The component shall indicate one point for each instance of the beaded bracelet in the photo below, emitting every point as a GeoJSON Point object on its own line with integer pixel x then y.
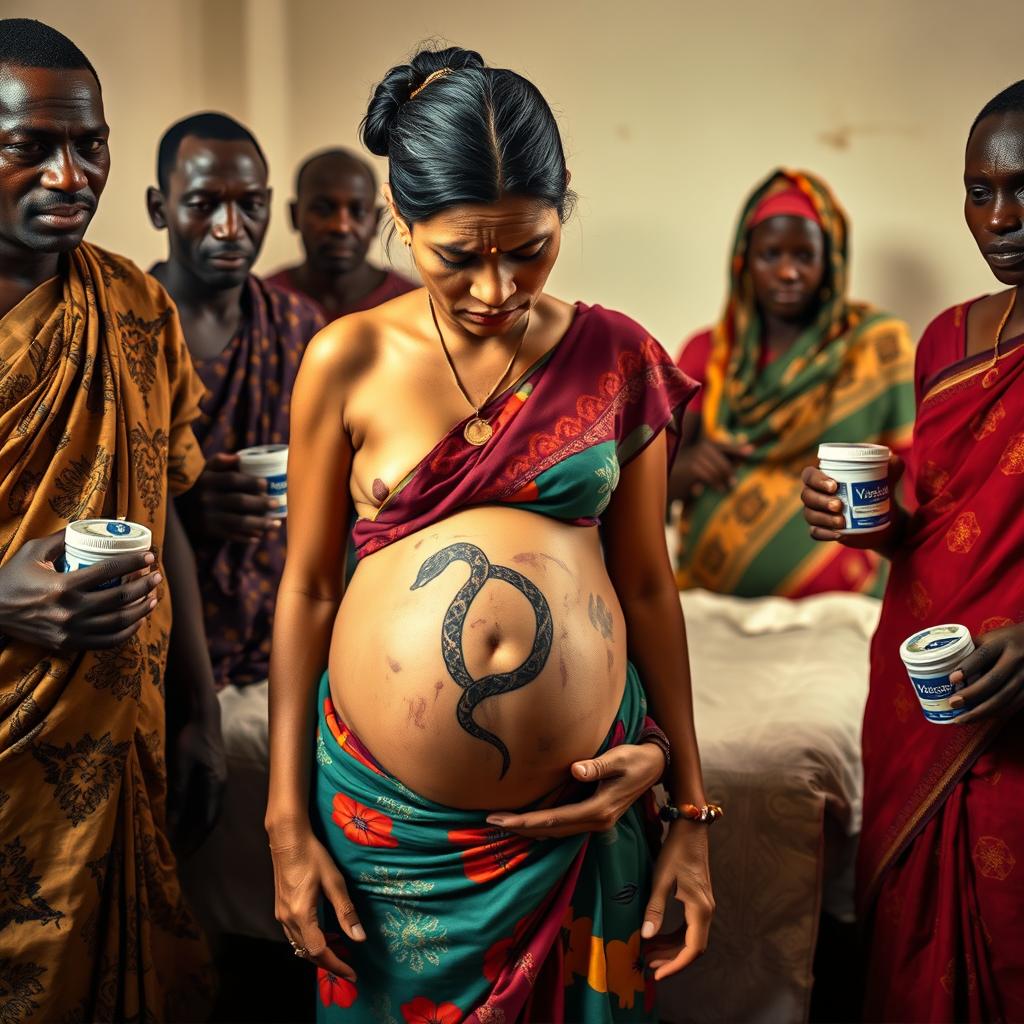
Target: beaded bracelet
{"type": "Point", "coordinates": [706, 814]}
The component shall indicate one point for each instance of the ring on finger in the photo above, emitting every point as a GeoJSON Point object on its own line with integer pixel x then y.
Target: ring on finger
{"type": "Point", "coordinates": [299, 950]}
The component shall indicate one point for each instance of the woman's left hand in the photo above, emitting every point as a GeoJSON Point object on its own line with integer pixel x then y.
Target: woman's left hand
{"type": "Point", "coordinates": [997, 669]}
{"type": "Point", "coordinates": [623, 774]}
{"type": "Point", "coordinates": [682, 871]}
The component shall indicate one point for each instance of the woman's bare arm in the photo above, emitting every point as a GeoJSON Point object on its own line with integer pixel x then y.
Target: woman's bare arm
{"type": "Point", "coordinates": [319, 461]}
{"type": "Point", "coordinates": [638, 564]}
{"type": "Point", "coordinates": [319, 464]}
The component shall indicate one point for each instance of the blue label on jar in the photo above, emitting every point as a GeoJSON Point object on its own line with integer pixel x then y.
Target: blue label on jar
{"type": "Point", "coordinates": [865, 504]}
{"type": "Point", "coordinates": [934, 696]}
{"type": "Point", "coordinates": [67, 566]}
{"type": "Point", "coordinates": [934, 645]}
{"type": "Point", "coordinates": [277, 487]}
{"type": "Point", "coordinates": [119, 529]}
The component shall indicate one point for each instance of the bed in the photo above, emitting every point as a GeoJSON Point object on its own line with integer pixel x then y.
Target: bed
{"type": "Point", "coordinates": [779, 690]}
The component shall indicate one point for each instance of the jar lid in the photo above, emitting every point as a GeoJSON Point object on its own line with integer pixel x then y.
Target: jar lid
{"type": "Point", "coordinates": [108, 535]}
{"type": "Point", "coordinates": [264, 456]}
{"type": "Point", "coordinates": [837, 451]}
{"type": "Point", "coordinates": [936, 644]}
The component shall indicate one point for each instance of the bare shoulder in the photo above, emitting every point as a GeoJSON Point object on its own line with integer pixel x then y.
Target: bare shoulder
{"type": "Point", "coordinates": [343, 352]}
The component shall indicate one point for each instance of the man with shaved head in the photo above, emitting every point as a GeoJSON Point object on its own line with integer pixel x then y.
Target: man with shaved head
{"type": "Point", "coordinates": [97, 399]}
{"type": "Point", "coordinates": [336, 213]}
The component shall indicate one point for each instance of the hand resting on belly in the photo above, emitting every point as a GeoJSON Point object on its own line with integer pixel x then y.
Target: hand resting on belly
{"type": "Point", "coordinates": [479, 661]}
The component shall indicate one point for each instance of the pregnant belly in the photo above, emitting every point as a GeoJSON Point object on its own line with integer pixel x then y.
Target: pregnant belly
{"type": "Point", "coordinates": [478, 659]}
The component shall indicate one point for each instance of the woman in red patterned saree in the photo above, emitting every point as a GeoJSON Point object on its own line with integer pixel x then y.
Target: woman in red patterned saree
{"type": "Point", "coordinates": [940, 886]}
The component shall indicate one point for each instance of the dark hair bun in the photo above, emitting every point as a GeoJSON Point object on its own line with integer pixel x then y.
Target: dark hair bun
{"type": "Point", "coordinates": [468, 137]}
{"type": "Point", "coordinates": [399, 84]}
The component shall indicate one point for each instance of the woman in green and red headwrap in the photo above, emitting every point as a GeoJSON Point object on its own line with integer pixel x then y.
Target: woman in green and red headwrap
{"type": "Point", "coordinates": [792, 363]}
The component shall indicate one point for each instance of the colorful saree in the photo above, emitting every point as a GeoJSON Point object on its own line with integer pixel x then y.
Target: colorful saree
{"type": "Point", "coordinates": [470, 923]}
{"type": "Point", "coordinates": [97, 395]}
{"type": "Point", "coordinates": [848, 377]}
{"type": "Point", "coordinates": [247, 403]}
{"type": "Point", "coordinates": [466, 922]}
{"type": "Point", "coordinates": [939, 883]}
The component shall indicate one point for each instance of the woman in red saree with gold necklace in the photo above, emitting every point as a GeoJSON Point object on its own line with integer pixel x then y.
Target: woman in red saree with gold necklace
{"type": "Point", "coordinates": [939, 884]}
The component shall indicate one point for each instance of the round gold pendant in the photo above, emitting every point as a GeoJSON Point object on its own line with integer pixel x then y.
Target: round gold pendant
{"type": "Point", "coordinates": [478, 431]}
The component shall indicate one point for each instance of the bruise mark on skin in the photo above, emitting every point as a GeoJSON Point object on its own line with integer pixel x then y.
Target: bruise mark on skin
{"type": "Point", "coordinates": [477, 622]}
{"type": "Point", "coordinates": [417, 712]}
{"type": "Point", "coordinates": [600, 616]}
{"type": "Point", "coordinates": [415, 546]}
{"type": "Point", "coordinates": [536, 559]}
{"type": "Point", "coordinates": [611, 658]}
{"type": "Point", "coordinates": [563, 671]}
{"type": "Point", "coordinates": [394, 665]}
{"type": "Point", "coordinates": [438, 687]}
{"type": "Point", "coordinates": [544, 744]}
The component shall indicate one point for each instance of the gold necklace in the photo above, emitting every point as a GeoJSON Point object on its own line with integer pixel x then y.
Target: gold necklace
{"type": "Point", "coordinates": [1002, 324]}
{"type": "Point", "coordinates": [992, 375]}
{"type": "Point", "coordinates": [478, 430]}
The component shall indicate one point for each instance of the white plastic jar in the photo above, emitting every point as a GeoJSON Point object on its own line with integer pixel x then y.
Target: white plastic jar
{"type": "Point", "coordinates": [89, 541]}
{"type": "Point", "coordinates": [930, 656]}
{"type": "Point", "coordinates": [269, 461]}
{"type": "Point", "coordinates": [861, 472]}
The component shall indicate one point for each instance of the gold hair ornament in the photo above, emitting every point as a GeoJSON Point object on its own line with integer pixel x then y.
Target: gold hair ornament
{"type": "Point", "coordinates": [432, 77]}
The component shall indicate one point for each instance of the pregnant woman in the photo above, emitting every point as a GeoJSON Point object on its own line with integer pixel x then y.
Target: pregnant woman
{"type": "Point", "coordinates": [478, 661]}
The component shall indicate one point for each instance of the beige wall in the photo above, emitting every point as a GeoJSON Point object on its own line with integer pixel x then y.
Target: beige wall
{"type": "Point", "coordinates": [670, 111]}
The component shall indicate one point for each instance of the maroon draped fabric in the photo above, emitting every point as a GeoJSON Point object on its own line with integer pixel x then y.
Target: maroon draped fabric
{"type": "Point", "coordinates": [938, 875]}
{"type": "Point", "coordinates": [391, 287]}
{"type": "Point", "coordinates": [247, 403]}
{"type": "Point", "coordinates": [607, 380]}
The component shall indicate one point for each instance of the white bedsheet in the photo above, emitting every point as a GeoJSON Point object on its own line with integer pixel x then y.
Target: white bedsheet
{"type": "Point", "coordinates": [779, 691]}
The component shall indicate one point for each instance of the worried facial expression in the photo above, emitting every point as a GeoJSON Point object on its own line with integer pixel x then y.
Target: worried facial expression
{"type": "Point", "coordinates": [54, 159]}
{"type": "Point", "coordinates": [994, 201]}
{"type": "Point", "coordinates": [336, 215]}
{"type": "Point", "coordinates": [786, 260]}
{"type": "Point", "coordinates": [216, 209]}
{"type": "Point", "coordinates": [485, 265]}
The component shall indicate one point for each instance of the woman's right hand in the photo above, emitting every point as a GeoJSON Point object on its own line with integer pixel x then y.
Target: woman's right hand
{"type": "Point", "coordinates": [824, 511]}
{"type": "Point", "coordinates": [303, 869]}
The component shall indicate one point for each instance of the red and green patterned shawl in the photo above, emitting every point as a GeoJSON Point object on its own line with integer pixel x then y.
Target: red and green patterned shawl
{"type": "Point", "coordinates": [562, 433]}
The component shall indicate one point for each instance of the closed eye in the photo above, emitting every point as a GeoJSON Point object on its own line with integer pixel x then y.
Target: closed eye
{"type": "Point", "coordinates": [454, 264]}
{"type": "Point", "coordinates": [526, 257]}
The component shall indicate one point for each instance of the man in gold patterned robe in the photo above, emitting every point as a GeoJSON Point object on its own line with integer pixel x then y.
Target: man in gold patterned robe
{"type": "Point", "coordinates": [97, 397]}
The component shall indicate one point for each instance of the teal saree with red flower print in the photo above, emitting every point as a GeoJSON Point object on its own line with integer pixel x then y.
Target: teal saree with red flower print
{"type": "Point", "coordinates": [466, 922]}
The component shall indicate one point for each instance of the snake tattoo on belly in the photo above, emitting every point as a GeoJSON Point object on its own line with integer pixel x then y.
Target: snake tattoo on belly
{"type": "Point", "coordinates": [476, 690]}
